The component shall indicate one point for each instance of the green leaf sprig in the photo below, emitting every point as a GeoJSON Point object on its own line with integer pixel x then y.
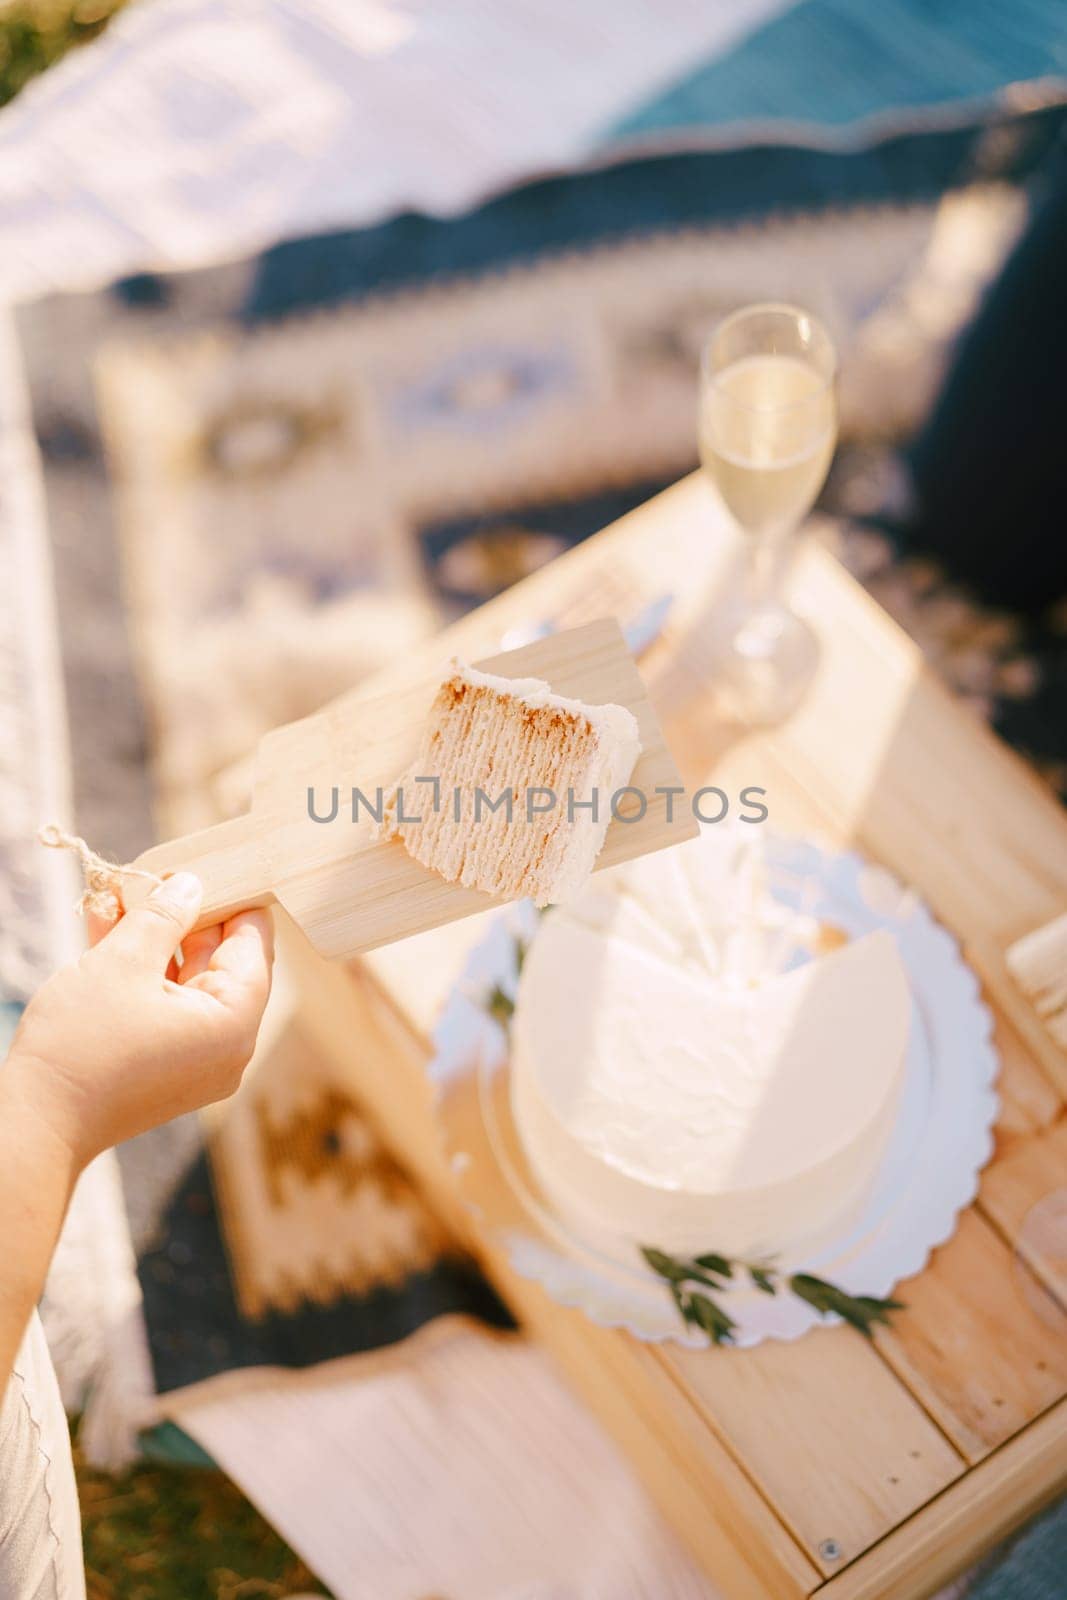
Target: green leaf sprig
{"type": "Point", "coordinates": [498, 1003]}
{"type": "Point", "coordinates": [694, 1282]}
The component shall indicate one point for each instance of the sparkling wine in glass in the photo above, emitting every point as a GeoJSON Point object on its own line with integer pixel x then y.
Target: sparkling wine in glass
{"type": "Point", "coordinates": [768, 425]}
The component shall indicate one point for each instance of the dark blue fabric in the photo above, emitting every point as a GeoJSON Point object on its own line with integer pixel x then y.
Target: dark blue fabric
{"type": "Point", "coordinates": [832, 62]}
{"type": "Point", "coordinates": [645, 196]}
{"type": "Point", "coordinates": [990, 467]}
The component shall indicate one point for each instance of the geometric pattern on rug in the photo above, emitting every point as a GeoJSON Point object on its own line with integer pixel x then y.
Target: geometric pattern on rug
{"type": "Point", "coordinates": [313, 1205]}
{"type": "Point", "coordinates": [196, 1327]}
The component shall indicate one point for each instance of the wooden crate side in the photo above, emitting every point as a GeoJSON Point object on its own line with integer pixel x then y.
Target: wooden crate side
{"type": "Point", "coordinates": [968, 1519]}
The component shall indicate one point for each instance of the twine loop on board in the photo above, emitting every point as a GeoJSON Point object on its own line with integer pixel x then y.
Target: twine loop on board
{"type": "Point", "coordinates": [101, 876]}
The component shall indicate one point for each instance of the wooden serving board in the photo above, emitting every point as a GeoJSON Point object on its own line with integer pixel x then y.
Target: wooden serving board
{"type": "Point", "coordinates": [346, 889]}
{"type": "Point", "coordinates": [828, 1465]}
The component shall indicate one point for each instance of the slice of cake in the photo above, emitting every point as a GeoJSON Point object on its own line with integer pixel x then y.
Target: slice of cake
{"type": "Point", "coordinates": [511, 790]}
{"type": "Point", "coordinates": [658, 1105]}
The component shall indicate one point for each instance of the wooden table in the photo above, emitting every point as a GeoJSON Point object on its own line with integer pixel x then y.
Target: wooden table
{"type": "Point", "coordinates": [827, 1464]}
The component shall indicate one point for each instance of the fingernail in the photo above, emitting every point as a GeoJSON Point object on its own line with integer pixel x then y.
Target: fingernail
{"type": "Point", "coordinates": [183, 889]}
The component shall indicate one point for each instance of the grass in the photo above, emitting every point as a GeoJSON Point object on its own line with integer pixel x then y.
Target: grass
{"type": "Point", "coordinates": [162, 1532]}
{"type": "Point", "coordinates": [36, 33]}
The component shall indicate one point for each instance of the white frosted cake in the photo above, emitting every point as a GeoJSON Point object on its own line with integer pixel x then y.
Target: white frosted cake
{"type": "Point", "coordinates": [666, 1095]}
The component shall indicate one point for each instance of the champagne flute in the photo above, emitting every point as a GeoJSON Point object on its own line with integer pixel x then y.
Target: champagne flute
{"type": "Point", "coordinates": [768, 425]}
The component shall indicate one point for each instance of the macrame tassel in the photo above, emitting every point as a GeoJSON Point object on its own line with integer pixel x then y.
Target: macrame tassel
{"type": "Point", "coordinates": [101, 876]}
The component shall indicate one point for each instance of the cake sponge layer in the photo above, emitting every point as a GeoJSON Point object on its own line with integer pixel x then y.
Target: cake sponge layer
{"type": "Point", "coordinates": [516, 785]}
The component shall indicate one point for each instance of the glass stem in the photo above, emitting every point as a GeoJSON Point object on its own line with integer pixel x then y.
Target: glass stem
{"type": "Point", "coordinates": [764, 571]}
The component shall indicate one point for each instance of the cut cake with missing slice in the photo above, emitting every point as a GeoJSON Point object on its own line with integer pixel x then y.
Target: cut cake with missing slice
{"type": "Point", "coordinates": [492, 752]}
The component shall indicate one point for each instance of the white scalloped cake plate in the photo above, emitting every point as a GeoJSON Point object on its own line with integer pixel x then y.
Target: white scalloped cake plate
{"type": "Point", "coordinates": [929, 1172]}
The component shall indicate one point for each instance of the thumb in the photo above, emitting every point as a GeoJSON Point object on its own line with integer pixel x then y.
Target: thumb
{"type": "Point", "coordinates": [152, 931]}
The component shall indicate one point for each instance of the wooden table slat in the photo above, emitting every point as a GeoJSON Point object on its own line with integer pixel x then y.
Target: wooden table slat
{"type": "Point", "coordinates": [1030, 1101]}
{"type": "Point", "coordinates": [832, 1437]}
{"type": "Point", "coordinates": [962, 1524]}
{"type": "Point", "coordinates": [1031, 1175]}
{"type": "Point", "coordinates": [984, 1351]}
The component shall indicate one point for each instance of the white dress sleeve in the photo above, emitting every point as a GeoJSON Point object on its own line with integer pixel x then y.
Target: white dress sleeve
{"type": "Point", "coordinates": [40, 1527]}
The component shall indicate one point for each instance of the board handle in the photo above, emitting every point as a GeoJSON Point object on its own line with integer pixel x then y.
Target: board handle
{"type": "Point", "coordinates": [228, 858]}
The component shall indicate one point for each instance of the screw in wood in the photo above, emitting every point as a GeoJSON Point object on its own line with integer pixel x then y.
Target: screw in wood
{"type": "Point", "coordinates": [830, 1550]}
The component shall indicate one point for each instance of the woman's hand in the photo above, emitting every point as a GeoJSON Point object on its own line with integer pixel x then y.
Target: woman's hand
{"type": "Point", "coordinates": [115, 1044]}
{"type": "Point", "coordinates": [124, 1040]}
